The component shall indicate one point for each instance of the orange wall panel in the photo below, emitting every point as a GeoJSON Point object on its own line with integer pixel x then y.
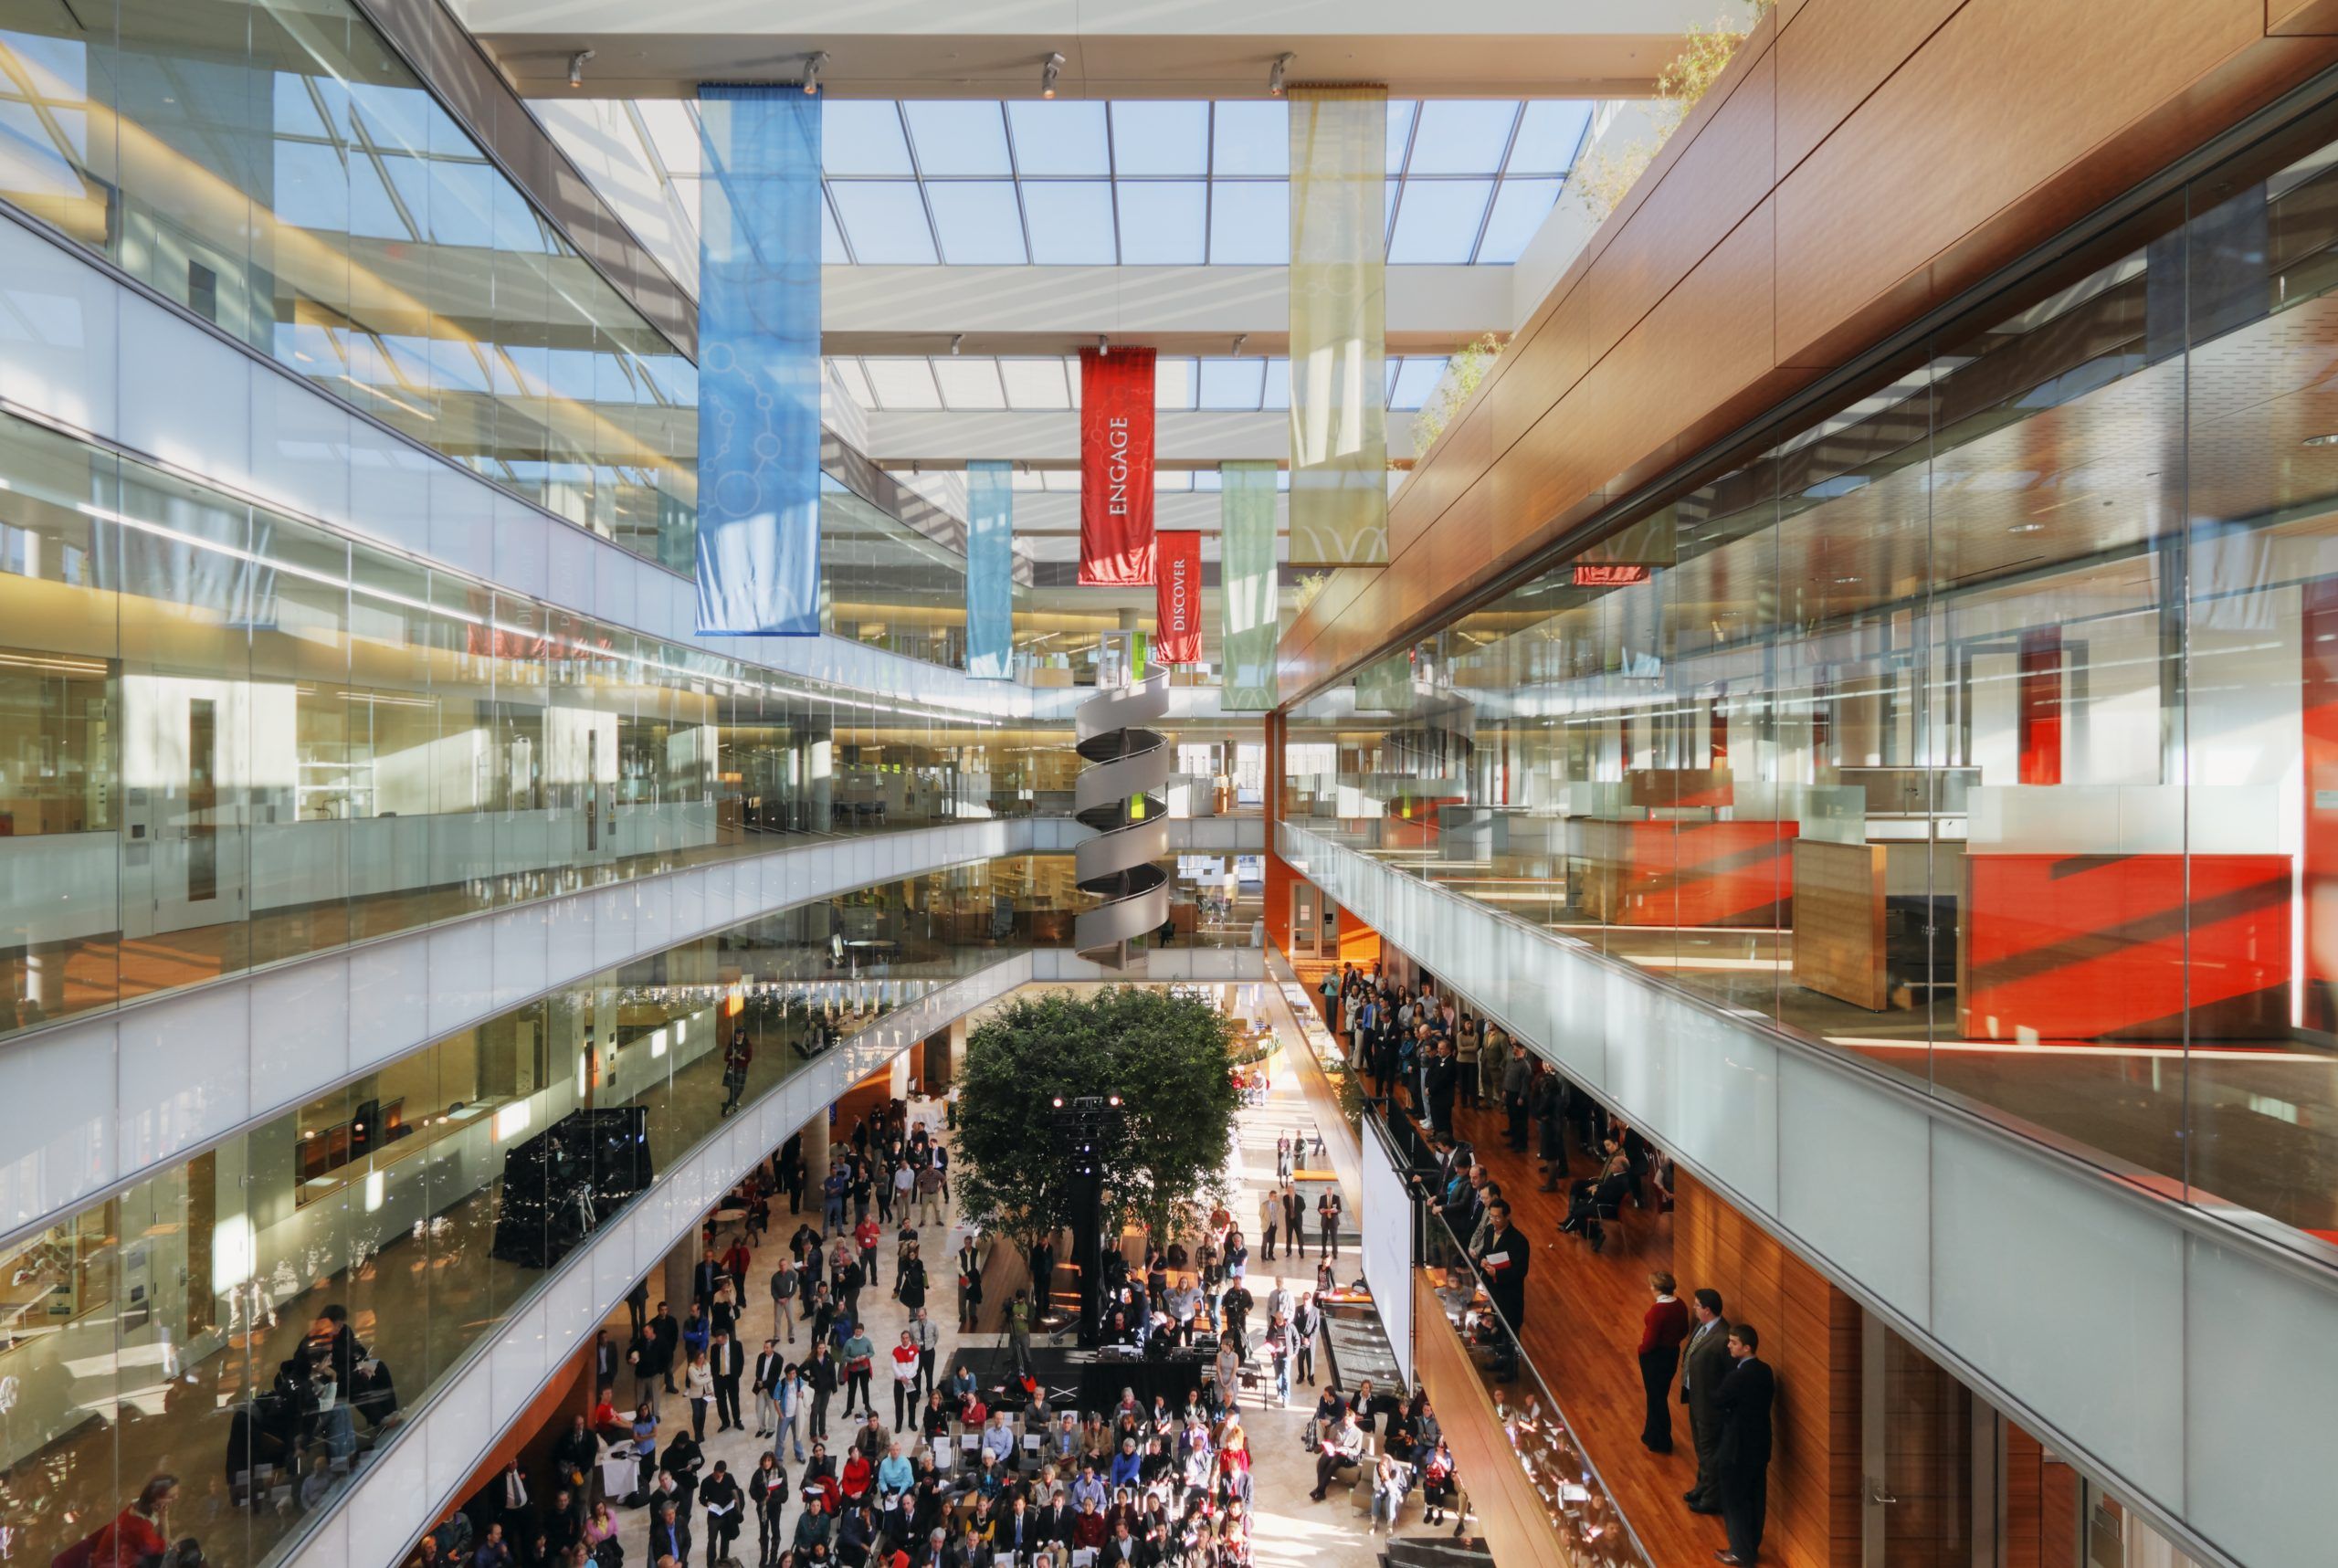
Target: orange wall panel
{"type": "Point", "coordinates": [1835, 54]}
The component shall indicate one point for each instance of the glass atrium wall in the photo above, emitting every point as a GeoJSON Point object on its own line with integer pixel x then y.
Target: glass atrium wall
{"type": "Point", "coordinates": [273, 167]}
{"type": "Point", "coordinates": [1985, 730]}
{"type": "Point", "coordinates": [228, 737]}
{"type": "Point", "coordinates": [150, 1332]}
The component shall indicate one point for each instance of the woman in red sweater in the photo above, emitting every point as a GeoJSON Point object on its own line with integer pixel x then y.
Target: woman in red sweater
{"type": "Point", "coordinates": [1661, 1333]}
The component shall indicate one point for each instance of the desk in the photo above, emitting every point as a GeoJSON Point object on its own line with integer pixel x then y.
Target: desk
{"type": "Point", "coordinates": [1326, 1177]}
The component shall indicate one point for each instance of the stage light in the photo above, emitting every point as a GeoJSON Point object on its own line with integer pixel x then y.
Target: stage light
{"type": "Point", "coordinates": [1047, 75]}
{"type": "Point", "coordinates": [576, 67]}
{"type": "Point", "coordinates": [1274, 76]}
{"type": "Point", "coordinates": [812, 69]}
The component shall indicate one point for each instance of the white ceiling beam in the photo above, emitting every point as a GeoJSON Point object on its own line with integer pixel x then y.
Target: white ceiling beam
{"type": "Point", "coordinates": [1178, 310]}
{"type": "Point", "coordinates": [1202, 49]}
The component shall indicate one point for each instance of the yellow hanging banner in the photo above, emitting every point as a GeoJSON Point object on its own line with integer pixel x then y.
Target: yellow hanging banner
{"type": "Point", "coordinates": [1338, 313]}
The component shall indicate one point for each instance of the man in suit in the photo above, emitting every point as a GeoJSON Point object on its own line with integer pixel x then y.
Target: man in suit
{"type": "Point", "coordinates": [1502, 1263]}
{"type": "Point", "coordinates": [667, 1335]}
{"type": "Point", "coordinates": [705, 1276]}
{"type": "Point", "coordinates": [1743, 1462]}
{"type": "Point", "coordinates": [1704, 1362]}
{"type": "Point", "coordinates": [670, 1537]}
{"type": "Point", "coordinates": [768, 1367]}
{"type": "Point", "coordinates": [729, 1365]}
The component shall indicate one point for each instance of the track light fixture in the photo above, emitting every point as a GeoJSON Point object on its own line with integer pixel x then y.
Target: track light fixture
{"type": "Point", "coordinates": [956, 343]}
{"type": "Point", "coordinates": [1274, 76]}
{"type": "Point", "coordinates": [1239, 339]}
{"type": "Point", "coordinates": [1103, 343]}
{"type": "Point", "coordinates": [813, 67]}
{"type": "Point", "coordinates": [1047, 75]}
{"type": "Point", "coordinates": [576, 67]}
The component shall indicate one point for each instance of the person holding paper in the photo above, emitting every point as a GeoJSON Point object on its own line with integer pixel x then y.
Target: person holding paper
{"type": "Point", "coordinates": [719, 1495]}
{"type": "Point", "coordinates": [1503, 1261]}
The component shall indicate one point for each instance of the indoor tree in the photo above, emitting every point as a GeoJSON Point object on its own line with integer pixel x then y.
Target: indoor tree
{"type": "Point", "coordinates": [1166, 1054]}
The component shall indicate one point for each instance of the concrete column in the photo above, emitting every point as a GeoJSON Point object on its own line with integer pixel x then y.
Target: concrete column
{"type": "Point", "coordinates": [814, 1135]}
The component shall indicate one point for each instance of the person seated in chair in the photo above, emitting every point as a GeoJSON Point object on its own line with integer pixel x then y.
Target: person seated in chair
{"type": "Point", "coordinates": [1589, 1196]}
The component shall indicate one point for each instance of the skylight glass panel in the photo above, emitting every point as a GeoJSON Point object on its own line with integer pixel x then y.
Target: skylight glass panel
{"type": "Point", "coordinates": [1415, 379]}
{"type": "Point", "coordinates": [1388, 369]}
{"type": "Point", "coordinates": [1172, 383]}
{"type": "Point", "coordinates": [1071, 222]}
{"type": "Point", "coordinates": [1438, 222]}
{"type": "Point", "coordinates": [1061, 481]}
{"type": "Point", "coordinates": [969, 382]}
{"type": "Point", "coordinates": [1388, 203]}
{"type": "Point", "coordinates": [862, 136]}
{"type": "Point", "coordinates": [832, 250]}
{"type": "Point", "coordinates": [1251, 136]}
{"type": "Point", "coordinates": [1462, 136]}
{"type": "Point", "coordinates": [1233, 382]}
{"type": "Point", "coordinates": [978, 221]}
{"type": "Point", "coordinates": [1162, 222]}
{"type": "Point", "coordinates": [1173, 479]}
{"type": "Point", "coordinates": [1151, 138]}
{"type": "Point", "coordinates": [1400, 133]}
{"type": "Point", "coordinates": [855, 381]}
{"type": "Point", "coordinates": [1025, 479]}
{"type": "Point", "coordinates": [1249, 223]}
{"type": "Point", "coordinates": [1071, 376]}
{"type": "Point", "coordinates": [903, 383]}
{"type": "Point", "coordinates": [1034, 384]}
{"type": "Point", "coordinates": [1208, 479]}
{"type": "Point", "coordinates": [1519, 207]}
{"type": "Point", "coordinates": [1278, 389]}
{"type": "Point", "coordinates": [884, 220]}
{"type": "Point", "coordinates": [1548, 136]}
{"type": "Point", "coordinates": [1061, 137]}
{"type": "Point", "coordinates": [957, 138]}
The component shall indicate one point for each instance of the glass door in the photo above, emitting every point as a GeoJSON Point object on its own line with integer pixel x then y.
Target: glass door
{"type": "Point", "coordinates": [1928, 1447]}
{"type": "Point", "coordinates": [1306, 926]}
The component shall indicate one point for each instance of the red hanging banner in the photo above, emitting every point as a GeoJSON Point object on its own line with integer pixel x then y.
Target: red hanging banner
{"type": "Point", "coordinates": [1115, 469]}
{"type": "Point", "coordinates": [1177, 612]}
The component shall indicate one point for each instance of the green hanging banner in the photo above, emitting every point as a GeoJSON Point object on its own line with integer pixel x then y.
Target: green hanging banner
{"type": "Point", "coordinates": [1247, 595]}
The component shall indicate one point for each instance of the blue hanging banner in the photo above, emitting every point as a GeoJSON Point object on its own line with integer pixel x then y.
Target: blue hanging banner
{"type": "Point", "coordinates": [759, 363]}
{"type": "Point", "coordinates": [990, 570]}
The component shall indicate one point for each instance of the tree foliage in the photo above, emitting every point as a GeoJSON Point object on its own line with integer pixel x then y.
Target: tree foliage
{"type": "Point", "coordinates": [1166, 1055]}
{"type": "Point", "coordinates": [1603, 174]}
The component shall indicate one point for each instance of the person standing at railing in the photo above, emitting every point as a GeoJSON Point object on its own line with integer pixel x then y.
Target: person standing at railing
{"type": "Point", "coordinates": [1502, 1263]}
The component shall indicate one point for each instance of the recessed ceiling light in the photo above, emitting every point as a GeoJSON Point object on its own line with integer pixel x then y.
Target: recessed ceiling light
{"type": "Point", "coordinates": [2330, 440]}
{"type": "Point", "coordinates": [1845, 582]}
{"type": "Point", "coordinates": [2027, 528]}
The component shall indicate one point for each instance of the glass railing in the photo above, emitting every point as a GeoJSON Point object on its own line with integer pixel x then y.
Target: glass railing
{"type": "Point", "coordinates": [167, 1329]}
{"type": "Point", "coordinates": [279, 170]}
{"type": "Point", "coordinates": [1587, 1524]}
{"type": "Point", "coordinates": [229, 737]}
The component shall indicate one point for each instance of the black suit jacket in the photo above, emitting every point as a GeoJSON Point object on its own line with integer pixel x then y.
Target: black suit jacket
{"type": "Point", "coordinates": [1746, 1397]}
{"type": "Point", "coordinates": [1704, 1367]}
{"type": "Point", "coordinates": [768, 1366]}
{"type": "Point", "coordinates": [729, 1361]}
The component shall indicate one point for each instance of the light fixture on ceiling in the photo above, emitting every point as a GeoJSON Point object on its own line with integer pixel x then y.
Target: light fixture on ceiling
{"type": "Point", "coordinates": [813, 67]}
{"type": "Point", "coordinates": [2027, 528]}
{"type": "Point", "coordinates": [1274, 76]}
{"type": "Point", "coordinates": [1047, 75]}
{"type": "Point", "coordinates": [576, 67]}
{"type": "Point", "coordinates": [1103, 343]}
{"type": "Point", "coordinates": [1239, 339]}
{"type": "Point", "coordinates": [2331, 440]}
{"type": "Point", "coordinates": [956, 343]}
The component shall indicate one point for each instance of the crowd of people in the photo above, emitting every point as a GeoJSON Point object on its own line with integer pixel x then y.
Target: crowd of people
{"type": "Point", "coordinates": [1424, 1052]}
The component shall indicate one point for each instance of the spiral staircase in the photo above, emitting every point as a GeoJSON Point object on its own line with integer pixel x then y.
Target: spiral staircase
{"type": "Point", "coordinates": [1121, 794]}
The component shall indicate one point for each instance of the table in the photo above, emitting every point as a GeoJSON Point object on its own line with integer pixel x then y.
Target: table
{"type": "Point", "coordinates": [1176, 1379]}
{"type": "Point", "coordinates": [620, 1473]}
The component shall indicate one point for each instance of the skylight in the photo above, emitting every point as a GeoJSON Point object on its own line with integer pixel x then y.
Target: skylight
{"type": "Point", "coordinates": [1144, 182]}
{"type": "Point", "coordinates": [976, 382]}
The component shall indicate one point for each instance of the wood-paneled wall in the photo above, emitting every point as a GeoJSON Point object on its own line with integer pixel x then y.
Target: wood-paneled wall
{"type": "Point", "coordinates": [1810, 1335]}
{"type": "Point", "coordinates": [1859, 164]}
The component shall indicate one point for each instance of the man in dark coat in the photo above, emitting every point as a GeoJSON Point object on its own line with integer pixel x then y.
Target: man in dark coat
{"type": "Point", "coordinates": [1743, 1461]}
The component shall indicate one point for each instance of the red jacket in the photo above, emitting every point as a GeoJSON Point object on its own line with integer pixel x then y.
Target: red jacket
{"type": "Point", "coordinates": [1665, 1327]}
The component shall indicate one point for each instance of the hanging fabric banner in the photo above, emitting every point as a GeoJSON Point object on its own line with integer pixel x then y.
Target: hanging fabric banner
{"type": "Point", "coordinates": [759, 363]}
{"type": "Point", "coordinates": [1338, 306]}
{"type": "Point", "coordinates": [1177, 606]}
{"type": "Point", "coordinates": [990, 570]}
{"type": "Point", "coordinates": [1247, 587]}
{"type": "Point", "coordinates": [1116, 468]}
